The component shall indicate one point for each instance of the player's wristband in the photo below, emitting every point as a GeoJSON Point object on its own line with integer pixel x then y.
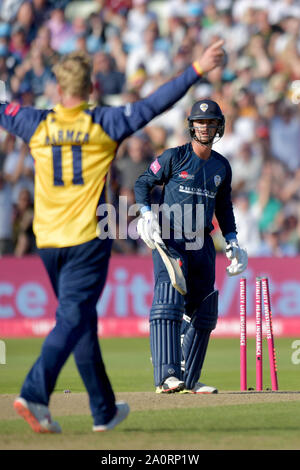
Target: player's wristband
{"type": "Point", "coordinates": [197, 68]}
{"type": "Point", "coordinates": [145, 209]}
{"type": "Point", "coordinates": [230, 237]}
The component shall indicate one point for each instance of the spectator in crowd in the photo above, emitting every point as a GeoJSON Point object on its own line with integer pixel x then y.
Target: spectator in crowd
{"type": "Point", "coordinates": [23, 237]}
{"type": "Point", "coordinates": [247, 223]}
{"type": "Point", "coordinates": [18, 167]}
{"type": "Point", "coordinates": [290, 190]}
{"type": "Point", "coordinates": [18, 47]}
{"type": "Point", "coordinates": [6, 245]}
{"type": "Point", "coordinates": [9, 9]}
{"type": "Point", "coordinates": [265, 201]}
{"type": "Point", "coordinates": [109, 79]}
{"type": "Point", "coordinates": [5, 32]}
{"type": "Point", "coordinates": [39, 74]}
{"type": "Point", "coordinates": [246, 167]}
{"type": "Point", "coordinates": [235, 34]}
{"type": "Point", "coordinates": [158, 136]}
{"type": "Point", "coordinates": [285, 136]}
{"type": "Point", "coordinates": [95, 38]}
{"type": "Point", "coordinates": [117, 52]}
{"type": "Point", "coordinates": [139, 17]}
{"type": "Point", "coordinates": [133, 163]}
{"type": "Point", "coordinates": [246, 118]}
{"type": "Point", "coordinates": [26, 19]}
{"type": "Point", "coordinates": [61, 30]}
{"type": "Point", "coordinates": [119, 6]}
{"type": "Point", "coordinates": [231, 142]}
{"type": "Point", "coordinates": [41, 11]}
{"type": "Point", "coordinates": [4, 71]}
{"type": "Point", "coordinates": [154, 61]}
{"type": "Point", "coordinates": [176, 30]}
{"type": "Point", "coordinates": [43, 44]}
{"type": "Point", "coordinates": [275, 244]}
{"type": "Point", "coordinates": [283, 8]}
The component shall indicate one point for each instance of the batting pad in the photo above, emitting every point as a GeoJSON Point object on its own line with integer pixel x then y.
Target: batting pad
{"type": "Point", "coordinates": [194, 349]}
{"type": "Point", "coordinates": [165, 323]}
{"type": "Point", "coordinates": [196, 337]}
{"type": "Point", "coordinates": [165, 349]}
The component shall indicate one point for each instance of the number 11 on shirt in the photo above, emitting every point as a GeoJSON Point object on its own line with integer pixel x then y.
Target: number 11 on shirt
{"type": "Point", "coordinates": [57, 165]}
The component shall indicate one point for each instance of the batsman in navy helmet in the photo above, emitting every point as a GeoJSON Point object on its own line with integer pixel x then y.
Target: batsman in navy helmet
{"type": "Point", "coordinates": [203, 110]}
{"type": "Point", "coordinates": [196, 184]}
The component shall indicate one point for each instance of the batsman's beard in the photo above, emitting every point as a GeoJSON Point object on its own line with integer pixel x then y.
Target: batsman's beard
{"type": "Point", "coordinates": [210, 141]}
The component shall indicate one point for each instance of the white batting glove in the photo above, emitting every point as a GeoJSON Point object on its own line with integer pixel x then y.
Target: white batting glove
{"type": "Point", "coordinates": [149, 230]}
{"type": "Point", "coordinates": [238, 257]}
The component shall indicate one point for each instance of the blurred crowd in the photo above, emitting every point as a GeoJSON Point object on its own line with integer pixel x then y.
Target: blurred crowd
{"type": "Point", "coordinates": [135, 46]}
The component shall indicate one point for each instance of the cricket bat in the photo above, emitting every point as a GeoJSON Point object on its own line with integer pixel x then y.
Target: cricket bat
{"type": "Point", "coordinates": [172, 265]}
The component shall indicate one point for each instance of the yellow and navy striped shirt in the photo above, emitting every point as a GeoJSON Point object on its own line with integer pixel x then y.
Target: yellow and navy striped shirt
{"type": "Point", "coordinates": [73, 149]}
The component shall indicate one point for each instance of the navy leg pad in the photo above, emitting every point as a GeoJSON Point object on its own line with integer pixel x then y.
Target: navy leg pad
{"type": "Point", "coordinates": [194, 350]}
{"type": "Point", "coordinates": [196, 338]}
{"type": "Point", "coordinates": [206, 316]}
{"type": "Point", "coordinates": [165, 322]}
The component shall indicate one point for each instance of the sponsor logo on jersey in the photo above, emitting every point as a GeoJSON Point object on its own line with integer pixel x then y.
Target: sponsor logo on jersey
{"type": "Point", "coordinates": [204, 107]}
{"type": "Point", "coordinates": [155, 166]}
{"type": "Point", "coordinates": [197, 191]}
{"type": "Point", "coordinates": [186, 176]}
{"type": "Point", "coordinates": [217, 180]}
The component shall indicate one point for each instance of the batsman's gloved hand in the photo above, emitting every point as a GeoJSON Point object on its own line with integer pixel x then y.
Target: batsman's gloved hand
{"type": "Point", "coordinates": [238, 257]}
{"type": "Point", "coordinates": [149, 230]}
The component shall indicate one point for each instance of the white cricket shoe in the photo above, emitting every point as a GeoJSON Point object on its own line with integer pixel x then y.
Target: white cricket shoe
{"type": "Point", "coordinates": [122, 413]}
{"type": "Point", "coordinates": [37, 416]}
{"type": "Point", "coordinates": [200, 388]}
{"type": "Point", "coordinates": [170, 385]}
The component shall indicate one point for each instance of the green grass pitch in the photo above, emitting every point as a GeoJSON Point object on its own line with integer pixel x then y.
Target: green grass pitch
{"type": "Point", "coordinates": [259, 421]}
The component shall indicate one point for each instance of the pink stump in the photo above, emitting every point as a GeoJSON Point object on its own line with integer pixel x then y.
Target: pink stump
{"type": "Point", "coordinates": [270, 337]}
{"type": "Point", "coordinates": [258, 335]}
{"type": "Point", "coordinates": [243, 336]}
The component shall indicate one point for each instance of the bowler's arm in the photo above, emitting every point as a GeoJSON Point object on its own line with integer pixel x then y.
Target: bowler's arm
{"type": "Point", "coordinates": [20, 121]}
{"type": "Point", "coordinates": [123, 121]}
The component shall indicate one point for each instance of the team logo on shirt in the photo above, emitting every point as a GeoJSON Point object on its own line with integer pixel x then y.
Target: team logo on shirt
{"type": "Point", "coordinates": [203, 107]}
{"type": "Point", "coordinates": [186, 176]}
{"type": "Point", "coordinates": [217, 180]}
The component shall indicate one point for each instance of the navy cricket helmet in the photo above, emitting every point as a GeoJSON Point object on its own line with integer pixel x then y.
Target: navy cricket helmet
{"type": "Point", "coordinates": [206, 109]}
